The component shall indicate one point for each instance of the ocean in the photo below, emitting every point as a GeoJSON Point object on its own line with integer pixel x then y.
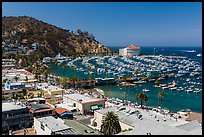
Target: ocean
{"type": "Point", "coordinates": [173, 100]}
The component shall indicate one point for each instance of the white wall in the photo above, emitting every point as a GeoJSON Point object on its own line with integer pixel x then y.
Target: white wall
{"type": "Point", "coordinates": [82, 107]}
{"type": "Point", "coordinates": [98, 119]}
{"type": "Point", "coordinates": [39, 130]}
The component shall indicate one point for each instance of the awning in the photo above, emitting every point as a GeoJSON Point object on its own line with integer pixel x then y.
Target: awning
{"type": "Point", "coordinates": [94, 107]}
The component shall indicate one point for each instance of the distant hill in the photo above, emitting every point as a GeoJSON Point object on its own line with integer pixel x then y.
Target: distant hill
{"type": "Point", "coordinates": [52, 39]}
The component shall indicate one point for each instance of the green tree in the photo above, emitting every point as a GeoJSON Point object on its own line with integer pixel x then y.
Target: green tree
{"type": "Point", "coordinates": [110, 124]}
{"type": "Point", "coordinates": [45, 73]}
{"type": "Point", "coordinates": [141, 96]}
{"type": "Point", "coordinates": [73, 79]}
{"type": "Point", "coordinates": [4, 80]}
{"type": "Point", "coordinates": [156, 81]}
{"type": "Point", "coordinates": [16, 78]}
{"type": "Point", "coordinates": [26, 79]}
{"type": "Point", "coordinates": [39, 95]}
{"type": "Point", "coordinates": [63, 81]}
{"type": "Point", "coordinates": [24, 91]}
{"type": "Point", "coordinates": [160, 97]}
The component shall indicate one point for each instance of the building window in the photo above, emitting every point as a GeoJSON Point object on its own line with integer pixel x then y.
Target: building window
{"type": "Point", "coordinates": [42, 126]}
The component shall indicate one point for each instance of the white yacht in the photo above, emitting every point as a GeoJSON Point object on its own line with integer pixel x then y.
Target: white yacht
{"type": "Point", "coordinates": [199, 55]}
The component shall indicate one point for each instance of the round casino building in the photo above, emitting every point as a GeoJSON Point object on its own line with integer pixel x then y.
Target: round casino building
{"type": "Point", "coordinates": [130, 51]}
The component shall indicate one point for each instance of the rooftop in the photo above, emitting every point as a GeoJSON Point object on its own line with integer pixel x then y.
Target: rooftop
{"type": "Point", "coordinates": [36, 107]}
{"type": "Point", "coordinates": [28, 131]}
{"type": "Point", "coordinates": [81, 128]}
{"type": "Point", "coordinates": [85, 99]}
{"type": "Point", "coordinates": [67, 106]}
{"type": "Point", "coordinates": [149, 124]}
{"type": "Point", "coordinates": [7, 106]}
{"type": "Point", "coordinates": [195, 116]}
{"type": "Point", "coordinates": [121, 115]}
{"type": "Point", "coordinates": [60, 110]}
{"type": "Point", "coordinates": [133, 47]}
{"type": "Point", "coordinates": [144, 126]}
{"type": "Point", "coordinates": [47, 87]}
{"type": "Point", "coordinates": [194, 127]}
{"type": "Point", "coordinates": [55, 125]}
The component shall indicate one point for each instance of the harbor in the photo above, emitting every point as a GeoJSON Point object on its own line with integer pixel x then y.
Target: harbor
{"type": "Point", "coordinates": [180, 77]}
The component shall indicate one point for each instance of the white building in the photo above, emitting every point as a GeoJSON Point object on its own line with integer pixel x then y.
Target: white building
{"type": "Point", "coordinates": [85, 104]}
{"type": "Point", "coordinates": [50, 89]}
{"type": "Point", "coordinates": [142, 122]}
{"type": "Point", "coordinates": [130, 51]}
{"type": "Point", "coordinates": [52, 126]}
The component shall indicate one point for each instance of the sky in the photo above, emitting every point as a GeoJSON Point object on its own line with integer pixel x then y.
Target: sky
{"type": "Point", "coordinates": [121, 23]}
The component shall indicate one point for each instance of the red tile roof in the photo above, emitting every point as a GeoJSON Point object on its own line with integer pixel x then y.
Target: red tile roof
{"type": "Point", "coordinates": [94, 101]}
{"type": "Point", "coordinates": [133, 47]}
{"type": "Point", "coordinates": [26, 73]}
{"type": "Point", "coordinates": [60, 110]}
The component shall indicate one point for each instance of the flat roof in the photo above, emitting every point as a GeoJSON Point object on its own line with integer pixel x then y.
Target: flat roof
{"type": "Point", "coordinates": [28, 131]}
{"type": "Point", "coordinates": [85, 99]}
{"type": "Point", "coordinates": [15, 83]}
{"type": "Point", "coordinates": [81, 127]}
{"type": "Point", "coordinates": [149, 124]}
{"type": "Point", "coordinates": [48, 87]}
{"type": "Point", "coordinates": [193, 125]}
{"type": "Point", "coordinates": [194, 116]}
{"type": "Point", "coordinates": [121, 115]}
{"type": "Point", "coordinates": [53, 123]}
{"type": "Point", "coordinates": [67, 106]}
{"type": "Point", "coordinates": [7, 106]}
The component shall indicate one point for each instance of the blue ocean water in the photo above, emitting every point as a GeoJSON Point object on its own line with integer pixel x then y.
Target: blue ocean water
{"type": "Point", "coordinates": [173, 100]}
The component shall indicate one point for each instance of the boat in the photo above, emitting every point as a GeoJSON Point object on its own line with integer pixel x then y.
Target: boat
{"type": "Point", "coordinates": [139, 82]}
{"type": "Point", "coordinates": [174, 88]}
{"type": "Point", "coordinates": [183, 72]}
{"type": "Point", "coordinates": [189, 90]}
{"type": "Point", "coordinates": [196, 91]}
{"type": "Point", "coordinates": [199, 55]}
{"type": "Point", "coordinates": [165, 87]}
{"type": "Point", "coordinates": [145, 90]}
{"type": "Point", "coordinates": [59, 58]}
{"type": "Point", "coordinates": [189, 51]}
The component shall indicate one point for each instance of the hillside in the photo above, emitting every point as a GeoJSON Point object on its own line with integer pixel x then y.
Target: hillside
{"type": "Point", "coordinates": [52, 39]}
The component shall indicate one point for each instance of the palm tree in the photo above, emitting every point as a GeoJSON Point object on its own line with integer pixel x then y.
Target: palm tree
{"type": "Point", "coordinates": [73, 80]}
{"type": "Point", "coordinates": [63, 81]}
{"type": "Point", "coordinates": [156, 81]}
{"type": "Point", "coordinates": [26, 79]}
{"type": "Point", "coordinates": [141, 96]}
{"type": "Point", "coordinates": [16, 78]}
{"type": "Point", "coordinates": [160, 96]}
{"type": "Point", "coordinates": [45, 73]}
{"type": "Point", "coordinates": [57, 79]}
{"type": "Point", "coordinates": [110, 124]}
